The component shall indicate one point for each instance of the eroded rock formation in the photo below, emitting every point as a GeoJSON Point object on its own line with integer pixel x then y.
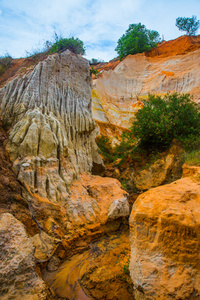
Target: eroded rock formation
{"type": "Point", "coordinates": [52, 136]}
{"type": "Point", "coordinates": [52, 146]}
{"type": "Point", "coordinates": [173, 66]}
{"type": "Point", "coordinates": [164, 233]}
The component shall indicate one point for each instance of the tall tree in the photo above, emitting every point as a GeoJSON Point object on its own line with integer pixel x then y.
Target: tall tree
{"type": "Point", "coordinates": [137, 39]}
{"type": "Point", "coordinates": [190, 25]}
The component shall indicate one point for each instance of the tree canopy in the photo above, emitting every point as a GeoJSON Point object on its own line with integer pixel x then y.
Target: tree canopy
{"type": "Point", "coordinates": [190, 25]}
{"type": "Point", "coordinates": [137, 39]}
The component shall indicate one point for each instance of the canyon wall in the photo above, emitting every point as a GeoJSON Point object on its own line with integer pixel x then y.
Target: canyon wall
{"type": "Point", "coordinates": [172, 67]}
{"type": "Point", "coordinates": [60, 199]}
{"type": "Point", "coordinates": [51, 145]}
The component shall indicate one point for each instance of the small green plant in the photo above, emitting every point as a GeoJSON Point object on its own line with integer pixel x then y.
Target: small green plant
{"type": "Point", "coordinates": [5, 63]}
{"type": "Point", "coordinates": [105, 148]}
{"type": "Point", "coordinates": [124, 184]}
{"type": "Point", "coordinates": [93, 71]}
{"type": "Point", "coordinates": [190, 25]}
{"type": "Point", "coordinates": [192, 158]}
{"type": "Point", "coordinates": [23, 69]}
{"type": "Point", "coordinates": [126, 267]}
{"type": "Point", "coordinates": [153, 157]}
{"type": "Point", "coordinates": [127, 147]}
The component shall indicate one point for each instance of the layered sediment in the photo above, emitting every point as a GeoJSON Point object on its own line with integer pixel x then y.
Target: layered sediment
{"type": "Point", "coordinates": [172, 67]}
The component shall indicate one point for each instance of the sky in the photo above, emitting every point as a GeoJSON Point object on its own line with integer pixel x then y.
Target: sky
{"type": "Point", "coordinates": [25, 25]}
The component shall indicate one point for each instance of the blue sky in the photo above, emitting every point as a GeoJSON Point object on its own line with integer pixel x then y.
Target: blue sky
{"type": "Point", "coordinates": [26, 25]}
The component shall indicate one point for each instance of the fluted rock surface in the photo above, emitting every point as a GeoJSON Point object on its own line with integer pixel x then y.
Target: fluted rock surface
{"type": "Point", "coordinates": [52, 146]}
{"type": "Point", "coordinates": [52, 138]}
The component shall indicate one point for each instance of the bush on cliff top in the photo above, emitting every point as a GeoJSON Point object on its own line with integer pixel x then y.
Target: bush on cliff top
{"type": "Point", "coordinates": [59, 44]}
{"type": "Point", "coordinates": [73, 44]}
{"type": "Point", "coordinates": [137, 39]}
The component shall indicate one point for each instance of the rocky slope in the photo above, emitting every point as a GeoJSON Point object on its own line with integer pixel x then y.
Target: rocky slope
{"type": "Point", "coordinates": [174, 66]}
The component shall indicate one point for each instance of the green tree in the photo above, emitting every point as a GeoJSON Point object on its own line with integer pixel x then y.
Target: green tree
{"type": "Point", "coordinates": [73, 44]}
{"type": "Point", "coordinates": [163, 119]}
{"type": "Point", "coordinates": [137, 39]}
{"type": "Point", "coordinates": [190, 25]}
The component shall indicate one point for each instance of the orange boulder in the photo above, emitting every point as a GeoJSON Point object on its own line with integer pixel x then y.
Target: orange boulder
{"type": "Point", "coordinates": [165, 239]}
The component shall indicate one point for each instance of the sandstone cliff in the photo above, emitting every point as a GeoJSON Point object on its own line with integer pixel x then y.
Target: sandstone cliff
{"type": "Point", "coordinates": [174, 66]}
{"type": "Point", "coordinates": [64, 208]}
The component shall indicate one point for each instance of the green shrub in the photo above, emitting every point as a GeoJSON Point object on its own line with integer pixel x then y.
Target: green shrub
{"type": "Point", "coordinates": [73, 44]}
{"type": "Point", "coordinates": [93, 71]}
{"type": "Point", "coordinates": [5, 63]}
{"type": "Point", "coordinates": [192, 158]}
{"type": "Point", "coordinates": [127, 147]}
{"type": "Point", "coordinates": [157, 124]}
{"type": "Point", "coordinates": [105, 148]}
{"type": "Point", "coordinates": [163, 119]}
{"type": "Point", "coordinates": [125, 267]}
{"type": "Point", "coordinates": [57, 44]}
{"type": "Point", "coordinates": [137, 39]}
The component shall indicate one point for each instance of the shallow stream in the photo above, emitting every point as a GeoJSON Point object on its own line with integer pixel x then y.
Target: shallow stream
{"type": "Point", "coordinates": [99, 273]}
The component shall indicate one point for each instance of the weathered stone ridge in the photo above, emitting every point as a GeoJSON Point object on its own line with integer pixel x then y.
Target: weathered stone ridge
{"type": "Point", "coordinates": [52, 138]}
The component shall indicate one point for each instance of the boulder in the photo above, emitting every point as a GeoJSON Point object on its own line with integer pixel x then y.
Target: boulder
{"type": "Point", "coordinates": [96, 200]}
{"type": "Point", "coordinates": [18, 278]}
{"type": "Point", "coordinates": [164, 234]}
{"type": "Point", "coordinates": [164, 170]}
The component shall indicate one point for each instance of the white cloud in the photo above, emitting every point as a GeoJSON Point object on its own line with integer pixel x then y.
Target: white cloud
{"type": "Point", "coordinates": [100, 23]}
